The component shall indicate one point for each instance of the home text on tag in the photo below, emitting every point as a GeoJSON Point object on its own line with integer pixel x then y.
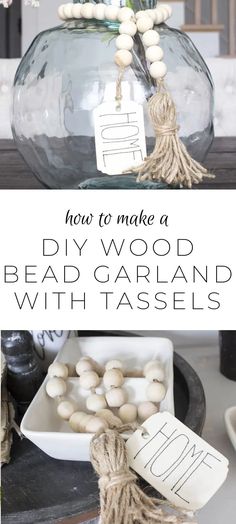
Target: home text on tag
{"type": "Point", "coordinates": [119, 137]}
{"type": "Point", "coordinates": [176, 462]}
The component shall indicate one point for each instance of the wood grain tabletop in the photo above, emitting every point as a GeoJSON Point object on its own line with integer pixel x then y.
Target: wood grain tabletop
{"type": "Point", "coordinates": [221, 160]}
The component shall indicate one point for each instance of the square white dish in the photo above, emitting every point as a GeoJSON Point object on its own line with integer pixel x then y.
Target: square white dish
{"type": "Point", "coordinates": [41, 423]}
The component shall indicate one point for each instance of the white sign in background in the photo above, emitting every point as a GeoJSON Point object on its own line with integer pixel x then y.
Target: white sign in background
{"type": "Point", "coordinates": [152, 284]}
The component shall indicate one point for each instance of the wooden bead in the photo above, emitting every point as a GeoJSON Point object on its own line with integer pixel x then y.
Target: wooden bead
{"type": "Point", "coordinates": [65, 409]}
{"type": "Point", "coordinates": [154, 53]}
{"type": "Point", "coordinates": [116, 397]}
{"type": "Point", "coordinates": [155, 373]}
{"type": "Point", "coordinates": [55, 387]}
{"type": "Point", "coordinates": [150, 37]}
{"type": "Point", "coordinates": [95, 424]}
{"type": "Point", "coordinates": [87, 10]}
{"type": "Point", "coordinates": [146, 409]}
{"type": "Point", "coordinates": [58, 369]}
{"type": "Point", "coordinates": [144, 23]}
{"type": "Point", "coordinates": [111, 12]}
{"type": "Point", "coordinates": [61, 12]}
{"type": "Point", "coordinates": [124, 42]}
{"type": "Point", "coordinates": [160, 16]}
{"type": "Point", "coordinates": [89, 380]}
{"type": "Point", "coordinates": [109, 417]}
{"type": "Point", "coordinates": [139, 14]}
{"type": "Point", "coordinates": [151, 13]}
{"type": "Point", "coordinates": [128, 413]}
{"type": "Point", "coordinates": [113, 378]}
{"type": "Point", "coordinates": [156, 392]}
{"type": "Point", "coordinates": [114, 364]}
{"type": "Point", "coordinates": [76, 10]}
{"type": "Point", "coordinates": [151, 364]}
{"type": "Point", "coordinates": [99, 11]}
{"type": "Point", "coordinates": [84, 364]}
{"type": "Point", "coordinates": [67, 9]}
{"type": "Point", "coordinates": [96, 402]}
{"type": "Point", "coordinates": [125, 13]}
{"type": "Point", "coordinates": [128, 28]}
{"type": "Point", "coordinates": [123, 58]}
{"type": "Point", "coordinates": [71, 370]}
{"type": "Point", "coordinates": [167, 8]}
{"type": "Point", "coordinates": [78, 421]}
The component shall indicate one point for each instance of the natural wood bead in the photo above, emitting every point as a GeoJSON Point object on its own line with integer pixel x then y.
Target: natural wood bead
{"type": "Point", "coordinates": [67, 9]}
{"type": "Point", "coordinates": [78, 421]}
{"type": "Point", "coordinates": [123, 58]}
{"type": "Point", "coordinates": [84, 364]}
{"type": "Point", "coordinates": [71, 370]}
{"type": "Point", "coordinates": [65, 409]}
{"type": "Point", "coordinates": [154, 363]}
{"type": "Point", "coordinates": [125, 13]}
{"type": "Point", "coordinates": [128, 413]}
{"type": "Point", "coordinates": [87, 10]}
{"type": "Point", "coordinates": [55, 387]}
{"type": "Point", "coordinates": [146, 409]}
{"type": "Point", "coordinates": [111, 12]}
{"type": "Point", "coordinates": [154, 53]}
{"type": "Point", "coordinates": [76, 10]}
{"type": "Point", "coordinates": [89, 380]}
{"type": "Point", "coordinates": [58, 369]}
{"type": "Point", "coordinates": [151, 37]}
{"type": "Point", "coordinates": [109, 417]}
{"type": "Point", "coordinates": [114, 364]}
{"type": "Point", "coordinates": [113, 378]}
{"type": "Point", "coordinates": [96, 402]}
{"type": "Point", "coordinates": [99, 11]}
{"type": "Point", "coordinates": [156, 392]}
{"type": "Point", "coordinates": [155, 373]}
{"type": "Point", "coordinates": [116, 397]}
{"type": "Point", "coordinates": [95, 424]}
{"type": "Point", "coordinates": [124, 42]}
{"type": "Point", "coordinates": [128, 28]}
{"type": "Point", "coordinates": [144, 23]}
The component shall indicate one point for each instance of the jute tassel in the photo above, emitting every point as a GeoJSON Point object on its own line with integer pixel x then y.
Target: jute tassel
{"type": "Point", "coordinates": [121, 499]}
{"type": "Point", "coordinates": [170, 161]}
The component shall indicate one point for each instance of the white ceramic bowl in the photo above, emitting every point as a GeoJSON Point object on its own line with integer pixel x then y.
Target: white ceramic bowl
{"type": "Point", "coordinates": [41, 423]}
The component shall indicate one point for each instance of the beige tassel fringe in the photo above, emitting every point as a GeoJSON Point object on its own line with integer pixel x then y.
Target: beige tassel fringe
{"type": "Point", "coordinates": [170, 161]}
{"type": "Point", "coordinates": [121, 499]}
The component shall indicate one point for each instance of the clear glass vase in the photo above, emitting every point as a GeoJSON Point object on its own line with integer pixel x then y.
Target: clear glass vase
{"type": "Point", "coordinates": [68, 71]}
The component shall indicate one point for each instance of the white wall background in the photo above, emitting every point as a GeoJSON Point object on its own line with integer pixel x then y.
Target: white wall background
{"type": "Point", "coordinates": [35, 20]}
{"type": "Point", "coordinates": [187, 339]}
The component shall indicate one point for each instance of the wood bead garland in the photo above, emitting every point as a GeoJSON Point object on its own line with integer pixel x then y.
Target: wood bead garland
{"type": "Point", "coordinates": [56, 387]}
{"type": "Point", "coordinates": [116, 397]}
{"type": "Point", "coordinates": [146, 409]}
{"type": "Point", "coordinates": [65, 409]}
{"type": "Point", "coordinates": [128, 413]}
{"type": "Point", "coordinates": [58, 369]}
{"type": "Point", "coordinates": [89, 380]}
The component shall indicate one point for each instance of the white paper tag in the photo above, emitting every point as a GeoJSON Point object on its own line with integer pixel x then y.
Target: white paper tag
{"type": "Point", "coordinates": [179, 464]}
{"type": "Point", "coordinates": [119, 136]}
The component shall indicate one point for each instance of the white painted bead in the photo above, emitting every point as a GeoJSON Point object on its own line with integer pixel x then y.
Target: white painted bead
{"type": "Point", "coordinates": [146, 409]}
{"type": "Point", "coordinates": [116, 397]}
{"type": "Point", "coordinates": [114, 364]}
{"type": "Point", "coordinates": [151, 13]}
{"type": "Point", "coordinates": [150, 37]}
{"type": "Point", "coordinates": [154, 53]}
{"type": "Point", "coordinates": [128, 413]}
{"type": "Point", "coordinates": [84, 364]}
{"type": "Point", "coordinates": [96, 424]}
{"type": "Point", "coordinates": [65, 409]}
{"type": "Point", "coordinates": [67, 9]}
{"type": "Point", "coordinates": [113, 378]}
{"type": "Point", "coordinates": [167, 7]}
{"type": "Point", "coordinates": [99, 11]}
{"type": "Point", "coordinates": [109, 417]}
{"type": "Point", "coordinates": [155, 373]}
{"type": "Point", "coordinates": [128, 28]}
{"type": "Point", "coordinates": [58, 369]}
{"type": "Point", "coordinates": [144, 23]}
{"type": "Point", "coordinates": [78, 421]}
{"type": "Point", "coordinates": [61, 12]}
{"type": "Point", "coordinates": [156, 392]}
{"type": "Point", "coordinates": [76, 10]}
{"type": "Point", "coordinates": [160, 16]}
{"type": "Point", "coordinates": [87, 10]}
{"type": "Point", "coordinates": [55, 387]}
{"type": "Point", "coordinates": [124, 42]}
{"type": "Point", "coordinates": [111, 12]}
{"type": "Point", "coordinates": [123, 58]}
{"type": "Point", "coordinates": [158, 70]}
{"type": "Point", "coordinates": [96, 402]}
{"type": "Point", "coordinates": [125, 13]}
{"type": "Point", "coordinates": [89, 380]}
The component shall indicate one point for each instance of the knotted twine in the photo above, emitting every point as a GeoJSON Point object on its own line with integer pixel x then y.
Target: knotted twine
{"type": "Point", "coordinates": [121, 500]}
{"type": "Point", "coordinates": [170, 161]}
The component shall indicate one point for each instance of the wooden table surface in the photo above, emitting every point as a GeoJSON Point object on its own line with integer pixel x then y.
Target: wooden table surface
{"type": "Point", "coordinates": [221, 160]}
